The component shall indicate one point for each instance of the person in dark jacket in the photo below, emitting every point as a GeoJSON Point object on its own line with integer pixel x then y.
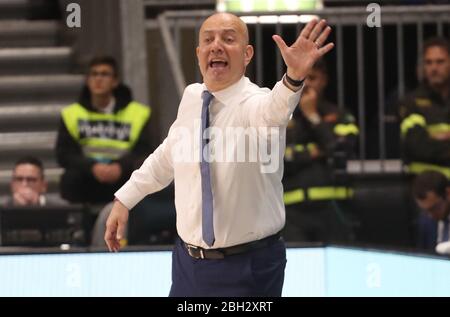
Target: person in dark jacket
{"type": "Point", "coordinates": [431, 191]}
{"type": "Point", "coordinates": [103, 137]}
{"type": "Point", "coordinates": [319, 139]}
{"type": "Point", "coordinates": [425, 114]}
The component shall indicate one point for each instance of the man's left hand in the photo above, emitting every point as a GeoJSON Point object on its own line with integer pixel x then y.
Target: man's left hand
{"type": "Point", "coordinates": [306, 50]}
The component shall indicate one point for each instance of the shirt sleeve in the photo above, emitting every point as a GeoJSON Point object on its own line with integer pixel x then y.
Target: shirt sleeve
{"type": "Point", "coordinates": [271, 108]}
{"type": "Point", "coordinates": [155, 173]}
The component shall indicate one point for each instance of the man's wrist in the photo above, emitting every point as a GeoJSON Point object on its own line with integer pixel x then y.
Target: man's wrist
{"type": "Point", "coordinates": [294, 82]}
{"type": "Point", "coordinates": [290, 86]}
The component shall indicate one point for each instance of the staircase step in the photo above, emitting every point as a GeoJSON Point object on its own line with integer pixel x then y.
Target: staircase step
{"type": "Point", "coordinates": [35, 60]}
{"type": "Point", "coordinates": [18, 144]}
{"type": "Point", "coordinates": [39, 88]}
{"type": "Point", "coordinates": [35, 117]}
{"type": "Point", "coordinates": [23, 33]}
{"type": "Point", "coordinates": [13, 9]}
{"type": "Point", "coordinates": [27, 140]}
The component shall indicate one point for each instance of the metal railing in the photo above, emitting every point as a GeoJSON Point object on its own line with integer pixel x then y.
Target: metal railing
{"type": "Point", "coordinates": [174, 25]}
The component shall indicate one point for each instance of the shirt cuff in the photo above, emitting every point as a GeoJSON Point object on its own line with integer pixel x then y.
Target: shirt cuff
{"type": "Point", "coordinates": [290, 97]}
{"type": "Point", "coordinates": [129, 195]}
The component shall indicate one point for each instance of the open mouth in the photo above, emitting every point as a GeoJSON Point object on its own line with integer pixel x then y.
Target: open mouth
{"type": "Point", "coordinates": [218, 63]}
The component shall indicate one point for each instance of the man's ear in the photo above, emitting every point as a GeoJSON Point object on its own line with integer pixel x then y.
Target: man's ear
{"type": "Point", "coordinates": [248, 54]}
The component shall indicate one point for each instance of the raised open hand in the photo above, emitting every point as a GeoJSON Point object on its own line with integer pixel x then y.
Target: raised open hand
{"type": "Point", "coordinates": [306, 50]}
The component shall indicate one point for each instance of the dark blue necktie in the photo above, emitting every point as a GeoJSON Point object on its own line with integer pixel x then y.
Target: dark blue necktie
{"type": "Point", "coordinates": [207, 198]}
{"type": "Point", "coordinates": [445, 233]}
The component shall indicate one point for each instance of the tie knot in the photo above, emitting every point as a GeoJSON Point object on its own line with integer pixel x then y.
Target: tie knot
{"type": "Point", "coordinates": [207, 97]}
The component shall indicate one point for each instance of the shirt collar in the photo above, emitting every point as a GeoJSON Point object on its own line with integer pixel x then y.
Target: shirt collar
{"type": "Point", "coordinates": [224, 96]}
{"type": "Point", "coordinates": [109, 108]}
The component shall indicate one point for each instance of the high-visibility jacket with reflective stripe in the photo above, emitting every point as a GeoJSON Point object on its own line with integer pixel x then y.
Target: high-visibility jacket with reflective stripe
{"type": "Point", "coordinates": [312, 178]}
{"type": "Point", "coordinates": [425, 131]}
{"type": "Point", "coordinates": [317, 193]}
{"type": "Point", "coordinates": [106, 137]}
{"type": "Point", "coordinates": [340, 133]}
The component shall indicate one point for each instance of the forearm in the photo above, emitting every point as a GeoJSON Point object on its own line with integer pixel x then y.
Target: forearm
{"type": "Point", "coordinates": [274, 108]}
{"type": "Point", "coordinates": [155, 173]}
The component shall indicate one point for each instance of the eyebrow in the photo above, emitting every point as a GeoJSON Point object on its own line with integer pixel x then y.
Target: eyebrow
{"type": "Point", "coordinates": [223, 31]}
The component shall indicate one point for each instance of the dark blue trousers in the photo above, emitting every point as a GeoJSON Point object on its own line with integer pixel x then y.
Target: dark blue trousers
{"type": "Point", "coordinates": [258, 272]}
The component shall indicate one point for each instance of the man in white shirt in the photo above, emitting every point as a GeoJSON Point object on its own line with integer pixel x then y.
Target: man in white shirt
{"type": "Point", "coordinates": [229, 211]}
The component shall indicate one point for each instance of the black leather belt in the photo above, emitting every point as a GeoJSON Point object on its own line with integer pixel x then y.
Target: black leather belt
{"type": "Point", "coordinates": [214, 254]}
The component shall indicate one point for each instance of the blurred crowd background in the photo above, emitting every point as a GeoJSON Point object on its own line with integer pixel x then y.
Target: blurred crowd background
{"type": "Point", "coordinates": [367, 160]}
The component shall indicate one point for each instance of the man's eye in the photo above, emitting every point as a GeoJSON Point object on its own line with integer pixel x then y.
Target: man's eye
{"type": "Point", "coordinates": [230, 39]}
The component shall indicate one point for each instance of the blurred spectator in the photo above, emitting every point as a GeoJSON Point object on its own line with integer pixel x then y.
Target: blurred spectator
{"type": "Point", "coordinates": [28, 184]}
{"type": "Point", "coordinates": [151, 221]}
{"type": "Point", "coordinates": [431, 190]}
{"type": "Point", "coordinates": [425, 113]}
{"type": "Point", "coordinates": [320, 138]}
{"type": "Point", "coordinates": [103, 137]}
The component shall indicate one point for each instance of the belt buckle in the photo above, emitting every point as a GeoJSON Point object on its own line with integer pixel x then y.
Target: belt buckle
{"type": "Point", "coordinates": [193, 247]}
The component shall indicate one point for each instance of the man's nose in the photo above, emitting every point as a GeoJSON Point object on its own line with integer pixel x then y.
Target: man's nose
{"type": "Point", "coordinates": [216, 46]}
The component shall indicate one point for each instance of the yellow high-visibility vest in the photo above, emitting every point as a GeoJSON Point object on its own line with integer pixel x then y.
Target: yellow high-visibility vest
{"type": "Point", "coordinates": [104, 136]}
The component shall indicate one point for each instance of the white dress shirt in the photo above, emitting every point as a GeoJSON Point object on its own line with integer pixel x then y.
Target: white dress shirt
{"type": "Point", "coordinates": [248, 204]}
{"type": "Point", "coordinates": [440, 230]}
{"type": "Point", "coordinates": [442, 246]}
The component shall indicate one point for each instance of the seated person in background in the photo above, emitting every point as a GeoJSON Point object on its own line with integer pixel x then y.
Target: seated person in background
{"type": "Point", "coordinates": [22, 225]}
{"type": "Point", "coordinates": [102, 138]}
{"type": "Point", "coordinates": [431, 191]}
{"type": "Point", "coordinates": [319, 140]}
{"type": "Point", "coordinates": [151, 221]}
{"type": "Point", "coordinates": [425, 113]}
{"type": "Point", "coordinates": [28, 184]}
